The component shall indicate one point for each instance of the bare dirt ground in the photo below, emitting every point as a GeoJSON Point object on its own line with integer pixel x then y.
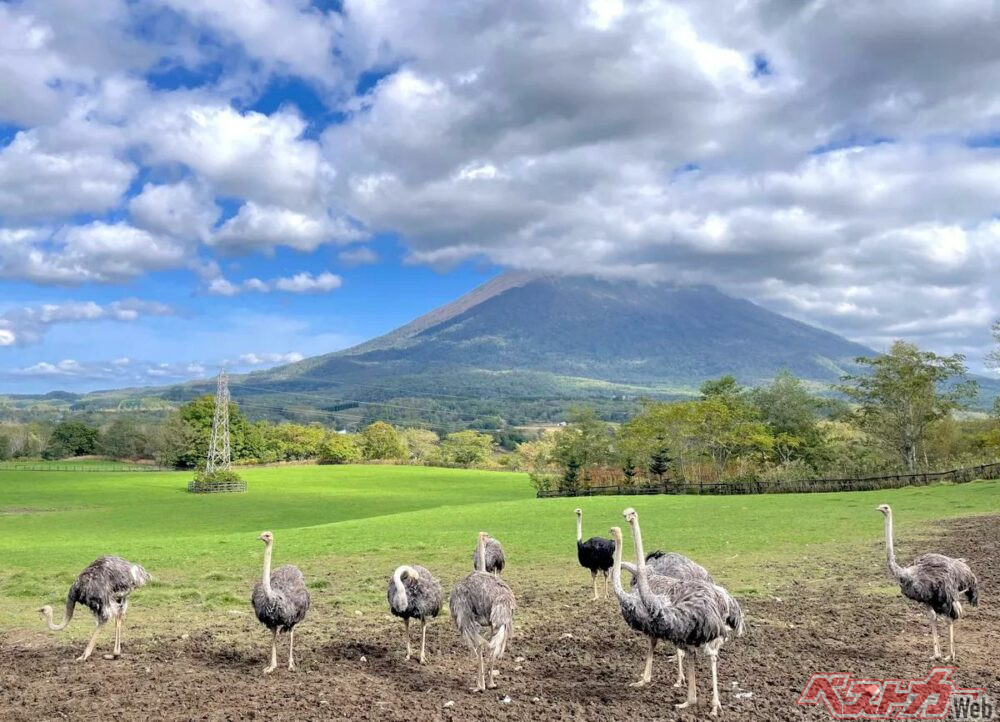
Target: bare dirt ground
{"type": "Point", "coordinates": [807, 627]}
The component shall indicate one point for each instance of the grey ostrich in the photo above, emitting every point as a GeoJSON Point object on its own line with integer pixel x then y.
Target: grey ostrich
{"type": "Point", "coordinates": [595, 554]}
{"type": "Point", "coordinates": [280, 600]}
{"type": "Point", "coordinates": [483, 600]}
{"type": "Point", "coordinates": [104, 588]}
{"type": "Point", "coordinates": [414, 593]}
{"type": "Point", "coordinates": [632, 609]}
{"type": "Point", "coordinates": [936, 581]}
{"type": "Point", "coordinates": [495, 560]}
{"type": "Point", "coordinates": [693, 614]}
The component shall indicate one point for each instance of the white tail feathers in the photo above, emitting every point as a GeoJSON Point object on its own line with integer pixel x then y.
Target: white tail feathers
{"type": "Point", "coordinates": [498, 643]}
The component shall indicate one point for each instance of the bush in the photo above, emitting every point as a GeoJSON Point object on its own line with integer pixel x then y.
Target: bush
{"type": "Point", "coordinates": [339, 449]}
{"type": "Point", "coordinates": [221, 480]}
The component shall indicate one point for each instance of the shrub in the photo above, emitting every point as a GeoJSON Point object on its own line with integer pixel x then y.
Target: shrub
{"type": "Point", "coordinates": [339, 449]}
{"type": "Point", "coordinates": [221, 480]}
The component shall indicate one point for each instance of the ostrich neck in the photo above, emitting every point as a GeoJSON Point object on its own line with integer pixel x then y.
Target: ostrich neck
{"type": "Point", "coordinates": [579, 528]}
{"type": "Point", "coordinates": [67, 615]}
{"type": "Point", "coordinates": [481, 554]}
{"type": "Point", "coordinates": [402, 602]}
{"type": "Point", "coordinates": [890, 553]}
{"type": "Point", "coordinates": [616, 571]}
{"type": "Point", "coordinates": [266, 580]}
{"type": "Point", "coordinates": [645, 593]}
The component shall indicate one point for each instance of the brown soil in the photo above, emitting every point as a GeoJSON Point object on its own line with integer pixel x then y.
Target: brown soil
{"type": "Point", "coordinates": [546, 675]}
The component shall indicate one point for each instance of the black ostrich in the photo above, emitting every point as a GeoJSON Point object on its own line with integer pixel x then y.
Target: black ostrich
{"type": "Point", "coordinates": [103, 587]}
{"type": "Point", "coordinates": [414, 593]}
{"type": "Point", "coordinates": [280, 600]}
{"type": "Point", "coordinates": [936, 581]}
{"type": "Point", "coordinates": [596, 554]}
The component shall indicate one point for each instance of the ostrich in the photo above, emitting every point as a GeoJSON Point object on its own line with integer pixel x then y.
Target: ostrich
{"type": "Point", "coordinates": [414, 593]}
{"type": "Point", "coordinates": [693, 614]}
{"type": "Point", "coordinates": [633, 611]}
{"type": "Point", "coordinates": [495, 560]}
{"type": "Point", "coordinates": [481, 600]}
{"type": "Point", "coordinates": [280, 600]}
{"type": "Point", "coordinates": [103, 587]}
{"type": "Point", "coordinates": [595, 554]}
{"type": "Point", "coordinates": [936, 581]}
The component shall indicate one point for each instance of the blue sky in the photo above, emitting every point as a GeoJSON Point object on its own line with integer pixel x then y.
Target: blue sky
{"type": "Point", "coordinates": [182, 185]}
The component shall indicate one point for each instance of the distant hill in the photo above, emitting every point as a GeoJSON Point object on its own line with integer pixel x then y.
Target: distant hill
{"type": "Point", "coordinates": [520, 350]}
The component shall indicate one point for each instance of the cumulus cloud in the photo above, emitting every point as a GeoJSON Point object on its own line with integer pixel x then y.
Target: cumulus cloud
{"type": "Point", "coordinates": [179, 209]}
{"type": "Point", "coordinates": [27, 325]}
{"type": "Point", "coordinates": [268, 359]}
{"type": "Point", "coordinates": [299, 283]}
{"type": "Point", "coordinates": [257, 227]}
{"type": "Point", "coordinates": [360, 256]}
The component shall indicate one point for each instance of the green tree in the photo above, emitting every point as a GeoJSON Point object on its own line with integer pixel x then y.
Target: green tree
{"type": "Point", "coordinates": [339, 449]}
{"type": "Point", "coordinates": [6, 447]}
{"type": "Point", "coordinates": [571, 475]}
{"type": "Point", "coordinates": [124, 439]}
{"type": "Point", "coordinates": [903, 393]}
{"type": "Point", "coordinates": [381, 441]}
{"type": "Point", "coordinates": [586, 441]}
{"type": "Point", "coordinates": [72, 438]}
{"type": "Point", "coordinates": [659, 462]}
{"type": "Point", "coordinates": [467, 448]}
{"type": "Point", "coordinates": [793, 415]}
{"type": "Point", "coordinates": [725, 387]}
{"type": "Point", "coordinates": [421, 444]}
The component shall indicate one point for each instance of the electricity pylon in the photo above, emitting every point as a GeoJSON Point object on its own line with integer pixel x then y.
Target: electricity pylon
{"type": "Point", "coordinates": [219, 455]}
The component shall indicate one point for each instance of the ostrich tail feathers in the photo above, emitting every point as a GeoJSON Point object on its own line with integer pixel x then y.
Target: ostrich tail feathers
{"type": "Point", "coordinates": [498, 643]}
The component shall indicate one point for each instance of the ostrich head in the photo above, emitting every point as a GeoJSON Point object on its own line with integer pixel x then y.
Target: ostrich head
{"type": "Point", "coordinates": [885, 509]}
{"type": "Point", "coordinates": [616, 535]}
{"type": "Point", "coordinates": [45, 611]}
{"type": "Point", "coordinates": [578, 511]}
{"type": "Point", "coordinates": [630, 515]}
{"type": "Point", "coordinates": [483, 536]}
{"type": "Point", "coordinates": [266, 537]}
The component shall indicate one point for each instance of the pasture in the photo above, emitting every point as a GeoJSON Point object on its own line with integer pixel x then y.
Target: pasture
{"type": "Point", "coordinates": [808, 568]}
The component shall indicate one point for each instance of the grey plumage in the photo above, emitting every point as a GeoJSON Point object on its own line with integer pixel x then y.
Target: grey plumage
{"type": "Point", "coordinates": [288, 602]}
{"type": "Point", "coordinates": [414, 593]}
{"type": "Point", "coordinates": [280, 600]}
{"type": "Point", "coordinates": [693, 614]}
{"type": "Point", "coordinates": [103, 587]}
{"type": "Point", "coordinates": [483, 600]}
{"type": "Point", "coordinates": [676, 566]}
{"type": "Point", "coordinates": [936, 581]}
{"type": "Point", "coordinates": [495, 559]}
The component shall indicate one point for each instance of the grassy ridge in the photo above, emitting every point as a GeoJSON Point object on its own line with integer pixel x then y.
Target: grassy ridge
{"type": "Point", "coordinates": [347, 527]}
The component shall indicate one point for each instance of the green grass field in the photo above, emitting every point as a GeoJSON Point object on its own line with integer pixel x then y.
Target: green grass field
{"type": "Point", "coordinates": [348, 527]}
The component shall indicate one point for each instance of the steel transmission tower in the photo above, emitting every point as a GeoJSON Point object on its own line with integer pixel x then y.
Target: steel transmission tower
{"type": "Point", "coordinates": [219, 455]}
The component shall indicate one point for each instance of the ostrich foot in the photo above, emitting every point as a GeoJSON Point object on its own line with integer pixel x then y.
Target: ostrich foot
{"type": "Point", "coordinates": [641, 682]}
{"type": "Point", "coordinates": [422, 660]}
{"type": "Point", "coordinates": [936, 657]}
{"type": "Point", "coordinates": [270, 668]}
{"type": "Point", "coordinates": [477, 688]}
{"type": "Point", "coordinates": [112, 656]}
{"type": "Point", "coordinates": [950, 658]}
{"type": "Point", "coordinates": [679, 682]}
{"type": "Point", "coordinates": [716, 708]}
{"type": "Point", "coordinates": [683, 705]}
{"type": "Point", "coordinates": [291, 666]}
{"type": "Point", "coordinates": [82, 658]}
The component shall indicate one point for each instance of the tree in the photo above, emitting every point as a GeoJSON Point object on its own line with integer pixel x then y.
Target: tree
{"type": "Point", "coordinates": [725, 387]}
{"type": "Point", "coordinates": [124, 439]}
{"type": "Point", "coordinates": [467, 448]}
{"type": "Point", "coordinates": [571, 475]}
{"type": "Point", "coordinates": [381, 441]}
{"type": "Point", "coordinates": [993, 359]}
{"type": "Point", "coordinates": [72, 438]}
{"type": "Point", "coordinates": [339, 449]}
{"type": "Point", "coordinates": [904, 392]}
{"type": "Point", "coordinates": [587, 441]}
{"type": "Point", "coordinates": [421, 444]}
{"type": "Point", "coordinates": [659, 462]}
{"type": "Point", "coordinates": [792, 414]}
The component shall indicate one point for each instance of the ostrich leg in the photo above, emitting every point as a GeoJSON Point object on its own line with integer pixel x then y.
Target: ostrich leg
{"type": "Point", "coordinates": [118, 638]}
{"type": "Point", "coordinates": [713, 657]}
{"type": "Point", "coordinates": [291, 646]}
{"type": "Point", "coordinates": [481, 682]}
{"type": "Point", "coordinates": [680, 668]}
{"type": "Point", "coordinates": [934, 635]}
{"type": "Point", "coordinates": [423, 640]}
{"type": "Point", "coordinates": [406, 631]}
{"type": "Point", "coordinates": [91, 644]}
{"type": "Point", "coordinates": [605, 585]}
{"type": "Point", "coordinates": [274, 653]}
{"type": "Point", "coordinates": [952, 657]}
{"type": "Point", "coordinates": [692, 697]}
{"type": "Point", "coordinates": [647, 671]}
{"type": "Point", "coordinates": [593, 578]}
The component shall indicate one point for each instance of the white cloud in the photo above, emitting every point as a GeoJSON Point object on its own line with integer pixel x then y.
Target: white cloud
{"type": "Point", "coordinates": [27, 325]}
{"type": "Point", "coordinates": [268, 359]}
{"type": "Point", "coordinates": [179, 209]}
{"type": "Point", "coordinates": [257, 227]}
{"type": "Point", "coordinates": [299, 283]}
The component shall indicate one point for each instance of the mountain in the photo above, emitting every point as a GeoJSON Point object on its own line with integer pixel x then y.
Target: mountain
{"type": "Point", "coordinates": [539, 343]}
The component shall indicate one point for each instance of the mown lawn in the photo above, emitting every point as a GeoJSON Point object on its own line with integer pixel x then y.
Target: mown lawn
{"type": "Point", "coordinates": [347, 527]}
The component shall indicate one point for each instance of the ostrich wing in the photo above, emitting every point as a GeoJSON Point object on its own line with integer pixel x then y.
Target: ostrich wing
{"type": "Point", "coordinates": [289, 600]}
{"type": "Point", "coordinates": [937, 581]}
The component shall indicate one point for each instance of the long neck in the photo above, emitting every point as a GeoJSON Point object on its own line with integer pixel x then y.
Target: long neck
{"type": "Point", "coordinates": [640, 563]}
{"type": "Point", "coordinates": [266, 580]}
{"type": "Point", "coordinates": [616, 571]}
{"type": "Point", "coordinates": [481, 554]}
{"type": "Point", "coordinates": [67, 615]}
{"type": "Point", "coordinates": [402, 602]}
{"type": "Point", "coordinates": [579, 527]}
{"type": "Point", "coordinates": [890, 553]}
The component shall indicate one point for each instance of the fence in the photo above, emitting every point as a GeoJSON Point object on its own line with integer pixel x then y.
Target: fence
{"type": "Point", "coordinates": [216, 487]}
{"type": "Point", "coordinates": [70, 466]}
{"type": "Point", "coordinates": [867, 483]}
